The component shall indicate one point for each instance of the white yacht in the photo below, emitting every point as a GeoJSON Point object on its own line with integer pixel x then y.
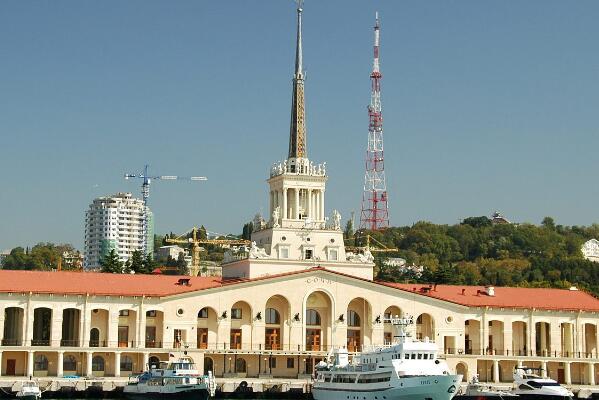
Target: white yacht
{"type": "Point", "coordinates": [477, 391]}
{"type": "Point", "coordinates": [30, 390]}
{"type": "Point", "coordinates": [178, 379]}
{"type": "Point", "coordinates": [404, 370]}
{"type": "Point", "coordinates": [529, 384]}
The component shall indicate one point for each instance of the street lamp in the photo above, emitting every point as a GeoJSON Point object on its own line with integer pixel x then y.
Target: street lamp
{"type": "Point", "coordinates": [265, 360]}
{"type": "Point", "coordinates": [230, 358]}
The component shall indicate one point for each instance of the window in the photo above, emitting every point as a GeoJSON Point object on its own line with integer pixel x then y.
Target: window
{"type": "Point", "coordinates": [284, 252]}
{"type": "Point", "coordinates": [236, 313]}
{"type": "Point", "coordinates": [312, 317]}
{"type": "Point", "coordinates": [40, 363]}
{"type": "Point", "coordinates": [203, 313]}
{"type": "Point", "coordinates": [97, 363]}
{"type": "Point", "coordinates": [126, 363]}
{"type": "Point", "coordinates": [353, 319]}
{"type": "Point", "coordinates": [308, 254]}
{"type": "Point", "coordinates": [290, 362]}
{"type": "Point", "coordinates": [151, 314]}
{"type": "Point", "coordinates": [273, 362]}
{"type": "Point", "coordinates": [272, 316]}
{"type": "Point", "coordinates": [123, 336]}
{"type": "Point", "coordinates": [333, 255]}
{"type": "Point", "coordinates": [69, 363]}
{"type": "Point", "coordinates": [124, 313]}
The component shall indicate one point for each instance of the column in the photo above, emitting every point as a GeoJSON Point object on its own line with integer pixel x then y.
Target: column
{"type": "Point", "coordinates": [0, 362]}
{"type": "Point", "coordinates": [113, 328]}
{"type": "Point", "coordinates": [531, 347]}
{"type": "Point", "coordinates": [117, 364]}
{"type": "Point", "coordinates": [28, 321]}
{"type": "Point", "coordinates": [544, 372]}
{"type": "Point", "coordinates": [507, 339]}
{"type": "Point", "coordinates": [591, 380]}
{"type": "Point", "coordinates": [88, 364]}
{"type": "Point", "coordinates": [141, 327]}
{"type": "Point", "coordinates": [321, 198]}
{"type": "Point", "coordinates": [271, 203]}
{"type": "Point", "coordinates": [567, 375]}
{"type": "Point", "coordinates": [56, 328]}
{"type": "Point", "coordinates": [309, 204]}
{"type": "Point", "coordinates": [81, 334]}
{"type": "Point", "coordinates": [496, 371]}
{"type": "Point", "coordinates": [2, 311]}
{"type": "Point", "coordinates": [285, 203]}
{"type": "Point", "coordinates": [146, 362]}
{"type": "Point", "coordinates": [30, 363]}
{"type": "Point", "coordinates": [59, 364]}
{"type": "Point", "coordinates": [596, 340]}
{"type": "Point", "coordinates": [87, 325]}
{"type": "Point", "coordinates": [296, 211]}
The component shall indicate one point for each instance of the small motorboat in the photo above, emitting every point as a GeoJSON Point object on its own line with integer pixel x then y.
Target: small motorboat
{"type": "Point", "coordinates": [30, 390]}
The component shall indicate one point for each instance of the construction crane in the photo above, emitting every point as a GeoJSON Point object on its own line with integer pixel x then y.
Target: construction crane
{"type": "Point", "coordinates": [195, 242]}
{"type": "Point", "coordinates": [362, 249]}
{"type": "Point", "coordinates": [145, 194]}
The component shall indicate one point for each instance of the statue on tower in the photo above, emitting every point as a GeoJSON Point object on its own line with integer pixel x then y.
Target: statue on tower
{"type": "Point", "coordinates": [276, 214]}
{"type": "Point", "coordinates": [336, 224]}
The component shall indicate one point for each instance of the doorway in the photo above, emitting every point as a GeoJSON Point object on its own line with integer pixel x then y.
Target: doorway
{"type": "Point", "coordinates": [11, 367]}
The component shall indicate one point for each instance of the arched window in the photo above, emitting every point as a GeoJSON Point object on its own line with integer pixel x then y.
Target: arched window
{"type": "Point", "coordinates": [312, 317]}
{"type": "Point", "coordinates": [97, 363]}
{"type": "Point", "coordinates": [40, 363]}
{"type": "Point", "coordinates": [94, 337]}
{"type": "Point", "coordinates": [126, 363]}
{"type": "Point", "coordinates": [203, 313]}
{"type": "Point", "coordinates": [208, 365]}
{"type": "Point", "coordinates": [154, 362]}
{"type": "Point", "coordinates": [272, 316]}
{"type": "Point", "coordinates": [240, 366]}
{"type": "Point", "coordinates": [353, 319]}
{"type": "Point", "coordinates": [69, 363]}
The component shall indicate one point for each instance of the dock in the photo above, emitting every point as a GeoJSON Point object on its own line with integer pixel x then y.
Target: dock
{"type": "Point", "coordinates": [113, 387]}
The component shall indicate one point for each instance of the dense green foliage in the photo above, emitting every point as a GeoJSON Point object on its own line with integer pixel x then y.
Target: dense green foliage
{"type": "Point", "coordinates": [42, 256]}
{"type": "Point", "coordinates": [477, 252]}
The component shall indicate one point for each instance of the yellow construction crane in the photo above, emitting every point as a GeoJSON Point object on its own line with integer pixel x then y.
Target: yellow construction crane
{"type": "Point", "coordinates": [361, 249]}
{"type": "Point", "coordinates": [195, 242]}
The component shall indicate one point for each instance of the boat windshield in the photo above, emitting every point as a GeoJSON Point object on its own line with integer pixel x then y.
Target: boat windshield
{"type": "Point", "coordinates": [182, 365]}
{"type": "Point", "coordinates": [538, 385]}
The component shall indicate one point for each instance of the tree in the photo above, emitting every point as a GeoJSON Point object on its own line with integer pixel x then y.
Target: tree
{"type": "Point", "coordinates": [548, 223]}
{"type": "Point", "coordinates": [148, 265]}
{"type": "Point", "coordinates": [137, 262]}
{"type": "Point", "coordinates": [349, 230]}
{"type": "Point", "coordinates": [202, 233]}
{"type": "Point", "coordinates": [182, 264]}
{"type": "Point", "coordinates": [110, 263]}
{"type": "Point", "coordinates": [477, 222]}
{"type": "Point", "coordinates": [247, 231]}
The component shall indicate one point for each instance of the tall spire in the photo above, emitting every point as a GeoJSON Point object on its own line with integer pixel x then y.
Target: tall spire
{"type": "Point", "coordinates": [297, 133]}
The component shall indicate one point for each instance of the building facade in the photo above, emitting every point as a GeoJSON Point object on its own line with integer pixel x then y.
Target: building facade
{"type": "Point", "coordinates": [590, 250]}
{"type": "Point", "coordinates": [279, 310]}
{"type": "Point", "coordinates": [69, 323]}
{"type": "Point", "coordinates": [116, 223]}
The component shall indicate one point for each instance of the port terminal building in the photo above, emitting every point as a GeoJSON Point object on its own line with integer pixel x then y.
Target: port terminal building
{"type": "Point", "coordinates": [282, 306]}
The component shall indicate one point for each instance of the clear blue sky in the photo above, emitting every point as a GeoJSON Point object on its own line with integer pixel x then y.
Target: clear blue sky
{"type": "Point", "coordinates": [487, 105]}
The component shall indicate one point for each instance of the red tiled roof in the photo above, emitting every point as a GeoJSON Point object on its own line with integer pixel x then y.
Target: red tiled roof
{"type": "Point", "coordinates": [66, 282]}
{"type": "Point", "coordinates": [507, 297]}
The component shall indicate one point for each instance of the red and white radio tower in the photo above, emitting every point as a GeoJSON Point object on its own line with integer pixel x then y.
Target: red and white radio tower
{"type": "Point", "coordinates": [375, 214]}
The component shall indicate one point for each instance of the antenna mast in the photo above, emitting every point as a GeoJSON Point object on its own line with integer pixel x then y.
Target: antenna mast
{"type": "Point", "coordinates": [375, 215]}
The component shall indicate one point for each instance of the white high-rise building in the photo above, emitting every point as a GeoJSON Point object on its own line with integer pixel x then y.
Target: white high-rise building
{"type": "Point", "coordinates": [115, 222]}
